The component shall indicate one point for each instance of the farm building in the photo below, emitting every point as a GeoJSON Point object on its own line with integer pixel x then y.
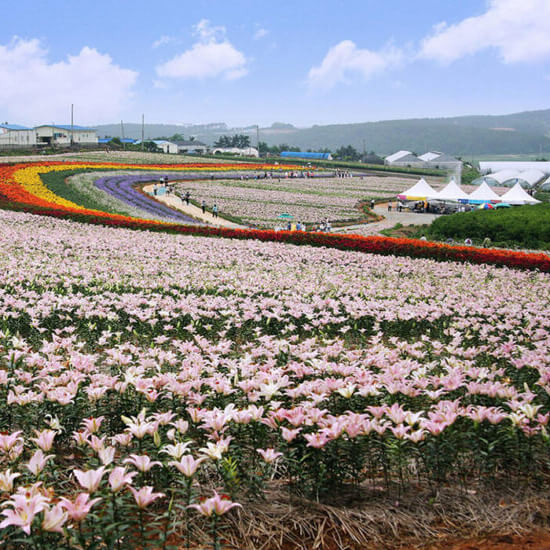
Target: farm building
{"type": "Point", "coordinates": [435, 159]}
{"type": "Point", "coordinates": [65, 134]}
{"type": "Point", "coordinates": [486, 167]}
{"type": "Point", "coordinates": [403, 158]}
{"type": "Point", "coordinates": [14, 136]}
{"type": "Point", "coordinates": [509, 177]}
{"type": "Point", "coordinates": [307, 156]}
{"type": "Point", "coordinates": [191, 147]}
{"type": "Point", "coordinates": [244, 152]}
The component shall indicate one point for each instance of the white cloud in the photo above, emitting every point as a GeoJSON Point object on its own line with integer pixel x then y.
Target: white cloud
{"type": "Point", "coordinates": [213, 55]}
{"type": "Point", "coordinates": [163, 40]}
{"type": "Point", "coordinates": [260, 33]}
{"type": "Point", "coordinates": [518, 29]}
{"type": "Point", "coordinates": [35, 90]}
{"type": "Point", "coordinates": [346, 60]}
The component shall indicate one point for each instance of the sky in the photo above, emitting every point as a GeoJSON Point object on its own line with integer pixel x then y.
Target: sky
{"type": "Point", "coordinates": [246, 62]}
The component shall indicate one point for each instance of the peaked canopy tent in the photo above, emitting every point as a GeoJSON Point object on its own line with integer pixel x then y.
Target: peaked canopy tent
{"type": "Point", "coordinates": [483, 194]}
{"type": "Point", "coordinates": [420, 191]}
{"type": "Point", "coordinates": [452, 192]}
{"type": "Point", "coordinates": [517, 195]}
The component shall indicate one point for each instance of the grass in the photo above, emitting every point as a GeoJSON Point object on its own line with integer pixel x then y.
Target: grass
{"type": "Point", "coordinates": [56, 182]}
{"type": "Point", "coordinates": [520, 226]}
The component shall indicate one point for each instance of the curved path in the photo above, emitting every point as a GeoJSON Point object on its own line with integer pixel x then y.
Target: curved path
{"type": "Point", "coordinates": [176, 203]}
{"type": "Point", "coordinates": [390, 219]}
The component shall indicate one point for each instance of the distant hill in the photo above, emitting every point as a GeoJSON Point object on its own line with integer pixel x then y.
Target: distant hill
{"type": "Point", "coordinates": [518, 133]}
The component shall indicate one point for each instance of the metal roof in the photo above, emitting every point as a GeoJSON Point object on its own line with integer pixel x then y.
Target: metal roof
{"type": "Point", "coordinates": [68, 127]}
{"type": "Point", "coordinates": [186, 143]}
{"type": "Point", "coordinates": [429, 156]}
{"type": "Point", "coordinates": [398, 155]}
{"type": "Point", "coordinates": [14, 127]}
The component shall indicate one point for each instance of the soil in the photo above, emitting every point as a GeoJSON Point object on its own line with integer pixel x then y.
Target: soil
{"type": "Point", "coordinates": [535, 541]}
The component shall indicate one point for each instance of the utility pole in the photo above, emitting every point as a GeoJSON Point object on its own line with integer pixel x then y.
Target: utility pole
{"type": "Point", "coordinates": [122, 134]}
{"type": "Point", "coordinates": [72, 113]}
{"type": "Point", "coordinates": [142, 130]}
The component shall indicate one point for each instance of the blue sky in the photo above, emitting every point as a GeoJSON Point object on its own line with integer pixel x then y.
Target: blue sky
{"type": "Point", "coordinates": [255, 62]}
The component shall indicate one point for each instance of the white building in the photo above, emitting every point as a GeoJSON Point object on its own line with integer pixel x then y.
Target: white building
{"type": "Point", "coordinates": [65, 134]}
{"type": "Point", "coordinates": [14, 136]}
{"type": "Point", "coordinates": [166, 146]}
{"type": "Point", "coordinates": [192, 147]}
{"type": "Point", "coordinates": [244, 152]}
{"type": "Point", "coordinates": [486, 167]}
{"type": "Point", "coordinates": [403, 158]}
{"type": "Point", "coordinates": [443, 161]}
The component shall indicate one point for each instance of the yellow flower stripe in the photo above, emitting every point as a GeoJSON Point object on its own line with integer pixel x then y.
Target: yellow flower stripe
{"type": "Point", "coordinates": [28, 177]}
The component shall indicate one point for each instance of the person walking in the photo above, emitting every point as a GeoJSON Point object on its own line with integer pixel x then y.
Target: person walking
{"type": "Point", "coordinates": [203, 206]}
{"type": "Point", "coordinates": [215, 210]}
{"type": "Point", "coordinates": [187, 197]}
{"type": "Point", "coordinates": [372, 204]}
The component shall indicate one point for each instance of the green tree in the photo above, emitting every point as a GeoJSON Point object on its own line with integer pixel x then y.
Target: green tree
{"type": "Point", "coordinates": [347, 153]}
{"type": "Point", "coordinates": [150, 146]}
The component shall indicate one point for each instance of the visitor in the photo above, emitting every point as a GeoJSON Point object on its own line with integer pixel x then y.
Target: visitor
{"type": "Point", "coordinates": [468, 241]}
{"type": "Point", "coordinates": [215, 210]}
{"type": "Point", "coordinates": [372, 204]}
{"type": "Point", "coordinates": [423, 238]}
{"type": "Point", "coordinates": [389, 206]}
{"type": "Point", "coordinates": [187, 197]}
{"type": "Point", "coordinates": [203, 206]}
{"type": "Point", "coordinates": [486, 242]}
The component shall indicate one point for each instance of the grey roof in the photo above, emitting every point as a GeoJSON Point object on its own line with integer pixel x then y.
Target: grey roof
{"type": "Point", "coordinates": [189, 143]}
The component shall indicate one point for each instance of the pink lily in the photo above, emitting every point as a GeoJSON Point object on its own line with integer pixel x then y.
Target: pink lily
{"type": "Point", "coordinates": [90, 479]}
{"type": "Point", "coordinates": [214, 505]}
{"type": "Point", "coordinates": [145, 496]}
{"type": "Point", "coordinates": [187, 465]}
{"type": "Point", "coordinates": [78, 509]}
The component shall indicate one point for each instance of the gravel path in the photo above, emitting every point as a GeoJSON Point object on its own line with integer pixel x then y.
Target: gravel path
{"type": "Point", "coordinates": [390, 219]}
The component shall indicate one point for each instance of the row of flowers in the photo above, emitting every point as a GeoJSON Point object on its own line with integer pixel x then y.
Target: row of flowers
{"type": "Point", "coordinates": [413, 248]}
{"type": "Point", "coordinates": [140, 371]}
{"type": "Point", "coordinates": [22, 188]}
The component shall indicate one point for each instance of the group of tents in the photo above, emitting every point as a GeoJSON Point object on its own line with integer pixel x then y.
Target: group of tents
{"type": "Point", "coordinates": [482, 196]}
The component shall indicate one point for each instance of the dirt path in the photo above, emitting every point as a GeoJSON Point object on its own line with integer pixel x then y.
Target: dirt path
{"type": "Point", "coordinates": [175, 202]}
{"type": "Point", "coordinates": [390, 219]}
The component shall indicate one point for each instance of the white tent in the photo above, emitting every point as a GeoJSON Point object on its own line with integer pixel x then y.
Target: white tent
{"type": "Point", "coordinates": [483, 194]}
{"type": "Point", "coordinates": [452, 192]}
{"type": "Point", "coordinates": [420, 191]}
{"type": "Point", "coordinates": [517, 195]}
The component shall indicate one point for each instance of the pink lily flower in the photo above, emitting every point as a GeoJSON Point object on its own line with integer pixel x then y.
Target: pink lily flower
{"type": "Point", "coordinates": [44, 439]}
{"type": "Point", "coordinates": [142, 462]}
{"type": "Point", "coordinates": [187, 465]}
{"type": "Point", "coordinates": [54, 519]}
{"type": "Point", "coordinates": [145, 496]}
{"type": "Point", "coordinates": [269, 455]}
{"type": "Point", "coordinates": [118, 478]}
{"type": "Point", "coordinates": [90, 479]}
{"type": "Point", "coordinates": [38, 462]}
{"type": "Point", "coordinates": [78, 509]}
{"type": "Point", "coordinates": [217, 505]}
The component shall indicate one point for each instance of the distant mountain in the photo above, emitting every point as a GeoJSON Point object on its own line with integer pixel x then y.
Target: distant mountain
{"type": "Point", "coordinates": [518, 133]}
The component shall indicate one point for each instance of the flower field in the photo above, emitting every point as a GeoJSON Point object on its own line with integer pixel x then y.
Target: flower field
{"type": "Point", "coordinates": [156, 387]}
{"type": "Point", "coordinates": [310, 200]}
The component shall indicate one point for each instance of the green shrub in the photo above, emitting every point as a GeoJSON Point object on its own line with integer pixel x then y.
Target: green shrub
{"type": "Point", "coordinates": [524, 226]}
